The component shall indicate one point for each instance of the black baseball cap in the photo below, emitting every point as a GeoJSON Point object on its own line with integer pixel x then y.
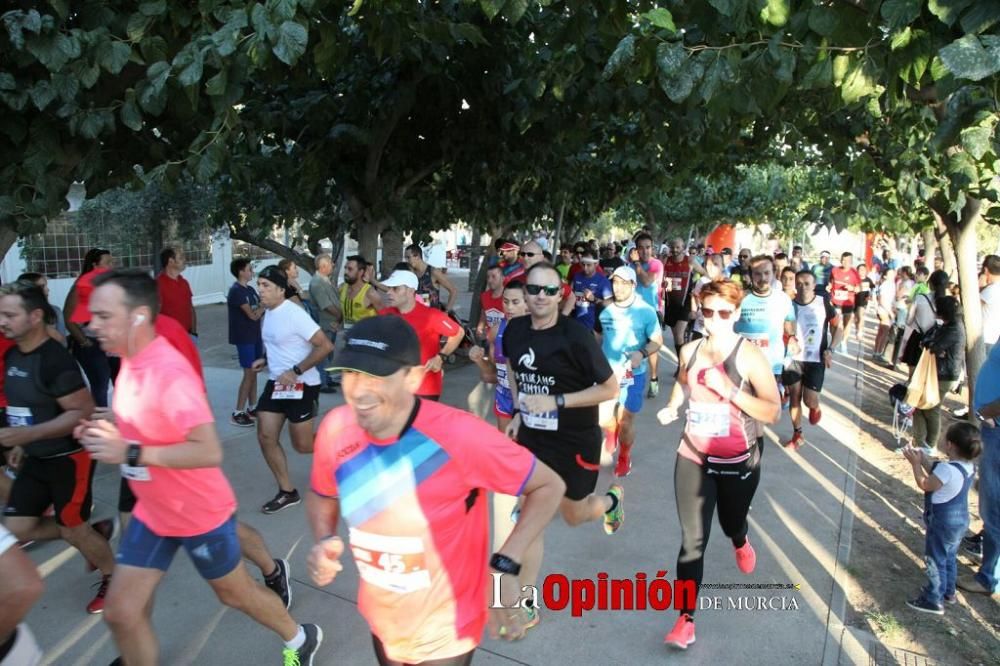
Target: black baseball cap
{"type": "Point", "coordinates": [379, 346]}
{"type": "Point", "coordinates": [275, 275]}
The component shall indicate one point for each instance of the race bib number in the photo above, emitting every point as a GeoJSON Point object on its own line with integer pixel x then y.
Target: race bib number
{"type": "Point", "coordinates": [502, 375]}
{"type": "Point", "coordinates": [760, 343]}
{"type": "Point", "coordinates": [287, 391]}
{"type": "Point", "coordinates": [628, 379]}
{"type": "Point", "coordinates": [542, 421]}
{"type": "Point", "coordinates": [708, 419]}
{"type": "Point", "coordinates": [139, 473]}
{"type": "Point", "coordinates": [581, 302]}
{"type": "Point", "coordinates": [841, 295]}
{"type": "Point", "coordinates": [20, 417]}
{"type": "Point", "coordinates": [396, 564]}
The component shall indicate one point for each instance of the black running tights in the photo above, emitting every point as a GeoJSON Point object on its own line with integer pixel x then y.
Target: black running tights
{"type": "Point", "coordinates": [698, 493]}
{"type": "Point", "coordinates": [383, 660]}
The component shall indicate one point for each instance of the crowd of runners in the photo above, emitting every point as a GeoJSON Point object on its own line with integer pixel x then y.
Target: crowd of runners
{"type": "Point", "coordinates": [571, 351]}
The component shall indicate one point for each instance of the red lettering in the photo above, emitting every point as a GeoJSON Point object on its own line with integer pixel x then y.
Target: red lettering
{"type": "Point", "coordinates": [685, 594]}
{"type": "Point", "coordinates": [555, 591]}
{"type": "Point", "coordinates": [621, 594]}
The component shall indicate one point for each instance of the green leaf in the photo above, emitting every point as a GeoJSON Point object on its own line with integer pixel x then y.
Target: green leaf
{"type": "Point", "coordinates": [355, 8]}
{"type": "Point", "coordinates": [129, 114]}
{"type": "Point", "coordinates": [137, 26]}
{"type": "Point", "coordinates": [948, 10]}
{"type": "Point", "coordinates": [823, 20]}
{"type": "Point", "coordinates": [724, 7]}
{"type": "Point", "coordinates": [260, 18]}
{"type": "Point", "coordinates": [210, 162]}
{"type": "Point", "coordinates": [7, 205]}
{"type": "Point", "coordinates": [859, 82]}
{"type": "Point", "coordinates": [900, 13]}
{"type": "Point", "coordinates": [291, 42]}
{"type": "Point", "coordinates": [513, 10]}
{"type": "Point", "coordinates": [661, 18]}
{"type": "Point", "coordinates": [679, 86]}
{"type": "Point", "coordinates": [621, 56]}
{"type": "Point", "coordinates": [42, 94]}
{"type": "Point", "coordinates": [283, 9]}
{"type": "Point", "coordinates": [901, 39]}
{"type": "Point", "coordinates": [91, 125]}
{"type": "Point", "coordinates": [720, 73]}
{"type": "Point", "coordinates": [491, 7]}
{"type": "Point", "coordinates": [113, 56]}
{"type": "Point", "coordinates": [670, 56]}
{"type": "Point", "coordinates": [7, 81]}
{"type": "Point", "coordinates": [153, 8]}
{"type": "Point", "coordinates": [776, 12]}
{"type": "Point", "coordinates": [967, 59]}
{"type": "Point", "coordinates": [66, 85]}
{"type": "Point", "coordinates": [191, 74]}
{"type": "Point", "coordinates": [786, 70]}
{"type": "Point", "coordinates": [216, 86]}
{"type": "Point", "coordinates": [981, 17]}
{"type": "Point", "coordinates": [820, 75]}
{"type": "Point", "coordinates": [976, 140]}
{"type": "Point", "coordinates": [468, 33]}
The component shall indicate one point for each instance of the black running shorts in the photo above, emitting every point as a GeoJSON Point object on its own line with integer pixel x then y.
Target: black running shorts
{"type": "Point", "coordinates": [811, 375]}
{"type": "Point", "coordinates": [575, 456]}
{"type": "Point", "coordinates": [64, 482]}
{"type": "Point", "coordinates": [296, 411]}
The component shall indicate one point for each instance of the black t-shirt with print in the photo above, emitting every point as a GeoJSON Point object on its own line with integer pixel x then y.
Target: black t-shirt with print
{"type": "Point", "coordinates": [34, 382]}
{"type": "Point", "coordinates": [562, 359]}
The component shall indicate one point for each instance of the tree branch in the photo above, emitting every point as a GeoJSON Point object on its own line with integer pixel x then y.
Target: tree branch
{"type": "Point", "coordinates": [304, 260]}
{"type": "Point", "coordinates": [417, 177]}
{"type": "Point", "coordinates": [376, 148]}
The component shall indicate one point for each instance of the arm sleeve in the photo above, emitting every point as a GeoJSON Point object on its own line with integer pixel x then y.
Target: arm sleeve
{"type": "Point", "coordinates": [589, 354]}
{"type": "Point", "coordinates": [606, 291]}
{"type": "Point", "coordinates": [188, 406]}
{"type": "Point", "coordinates": [323, 479]}
{"type": "Point", "coordinates": [304, 322]}
{"type": "Point", "coordinates": [61, 376]}
{"type": "Point", "coordinates": [489, 459]}
{"type": "Point", "coordinates": [322, 296]}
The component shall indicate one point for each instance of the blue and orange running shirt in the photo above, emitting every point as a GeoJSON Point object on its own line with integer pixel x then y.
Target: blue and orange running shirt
{"type": "Point", "coordinates": [418, 520]}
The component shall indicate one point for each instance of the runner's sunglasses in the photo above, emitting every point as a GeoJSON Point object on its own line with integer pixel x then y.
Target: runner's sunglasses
{"type": "Point", "coordinates": [550, 289]}
{"type": "Point", "coordinates": [708, 313]}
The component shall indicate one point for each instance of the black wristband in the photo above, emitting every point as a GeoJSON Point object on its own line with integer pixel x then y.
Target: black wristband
{"type": "Point", "coordinates": [132, 455]}
{"type": "Point", "coordinates": [504, 564]}
{"type": "Point", "coordinates": [560, 401]}
{"type": "Point", "coordinates": [296, 369]}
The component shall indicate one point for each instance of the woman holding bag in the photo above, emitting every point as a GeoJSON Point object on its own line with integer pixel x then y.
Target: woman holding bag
{"type": "Point", "coordinates": [946, 341]}
{"type": "Point", "coordinates": [922, 318]}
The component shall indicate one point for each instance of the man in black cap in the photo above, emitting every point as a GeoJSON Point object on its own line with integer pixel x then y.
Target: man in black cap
{"type": "Point", "coordinates": [408, 475]}
{"type": "Point", "coordinates": [294, 346]}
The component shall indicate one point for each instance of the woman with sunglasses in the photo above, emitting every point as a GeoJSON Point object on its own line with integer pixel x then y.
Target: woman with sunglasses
{"type": "Point", "coordinates": [731, 394]}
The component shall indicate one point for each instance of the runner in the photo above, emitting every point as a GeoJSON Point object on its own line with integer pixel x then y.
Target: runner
{"type": "Point", "coordinates": [631, 334]}
{"type": "Point", "coordinates": [865, 288]}
{"type": "Point", "coordinates": [491, 311]}
{"type": "Point", "coordinates": [767, 318]}
{"type": "Point", "coordinates": [731, 393]}
{"type": "Point", "coordinates": [97, 366]}
{"type": "Point", "coordinates": [677, 285]}
{"type": "Point", "coordinates": [649, 273]}
{"type": "Point", "coordinates": [845, 283]}
{"type": "Point", "coordinates": [797, 256]}
{"type": "Point", "coordinates": [822, 272]}
{"type": "Point", "coordinates": [558, 377]}
{"type": "Point", "coordinates": [46, 398]}
{"type": "Point", "coordinates": [512, 269]}
{"type": "Point", "coordinates": [591, 291]}
{"type": "Point", "coordinates": [430, 324]}
{"type": "Point", "coordinates": [166, 443]}
{"type": "Point", "coordinates": [419, 537]}
{"type": "Point", "coordinates": [714, 267]}
{"type": "Point", "coordinates": [243, 306]}
{"type": "Point", "coordinates": [294, 345]}
{"type": "Point", "coordinates": [493, 370]}
{"type": "Point", "coordinates": [788, 282]}
{"type": "Point", "coordinates": [818, 329]}
{"type": "Point", "coordinates": [20, 588]}
{"type": "Point", "coordinates": [431, 280]}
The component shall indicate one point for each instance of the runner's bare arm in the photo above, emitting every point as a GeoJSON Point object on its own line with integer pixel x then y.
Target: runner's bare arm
{"type": "Point", "coordinates": [20, 588]}
{"type": "Point", "coordinates": [442, 281]}
{"type": "Point", "coordinates": [201, 449]}
{"type": "Point", "coordinates": [321, 348]}
{"type": "Point", "coordinates": [593, 395]}
{"type": "Point", "coordinates": [990, 410]}
{"type": "Point", "coordinates": [251, 313]}
{"type": "Point", "coordinates": [453, 342]}
{"type": "Point", "coordinates": [323, 560]}
{"type": "Point", "coordinates": [323, 514]}
{"type": "Point", "coordinates": [765, 406]}
{"type": "Point", "coordinates": [74, 329]}
{"type": "Point", "coordinates": [374, 299]}
{"type": "Point", "coordinates": [543, 491]}
{"type": "Point", "coordinates": [76, 406]}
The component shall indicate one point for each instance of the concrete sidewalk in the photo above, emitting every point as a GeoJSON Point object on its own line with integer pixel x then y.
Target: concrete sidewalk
{"type": "Point", "coordinates": [800, 527]}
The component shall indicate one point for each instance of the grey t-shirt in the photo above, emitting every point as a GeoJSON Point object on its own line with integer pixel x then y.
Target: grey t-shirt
{"type": "Point", "coordinates": [323, 296]}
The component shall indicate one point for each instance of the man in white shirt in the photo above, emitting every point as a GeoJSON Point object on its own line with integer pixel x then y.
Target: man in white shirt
{"type": "Point", "coordinates": [294, 347]}
{"type": "Point", "coordinates": [990, 299]}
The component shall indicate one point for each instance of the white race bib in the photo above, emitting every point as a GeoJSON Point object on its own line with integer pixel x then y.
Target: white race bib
{"type": "Point", "coordinates": [708, 419]}
{"type": "Point", "coordinates": [543, 421]}
{"type": "Point", "coordinates": [287, 392]}
{"type": "Point", "coordinates": [140, 473]}
{"type": "Point", "coordinates": [392, 563]}
{"type": "Point", "coordinates": [20, 417]}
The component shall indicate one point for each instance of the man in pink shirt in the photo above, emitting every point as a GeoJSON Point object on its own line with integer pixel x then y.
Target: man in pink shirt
{"type": "Point", "coordinates": [164, 438]}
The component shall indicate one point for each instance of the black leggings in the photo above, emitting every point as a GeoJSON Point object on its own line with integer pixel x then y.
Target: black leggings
{"type": "Point", "coordinates": [697, 493]}
{"type": "Point", "coordinates": [383, 660]}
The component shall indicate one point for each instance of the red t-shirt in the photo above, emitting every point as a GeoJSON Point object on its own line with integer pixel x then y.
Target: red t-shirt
{"type": "Point", "coordinates": [419, 524]}
{"type": "Point", "coordinates": [492, 308]}
{"type": "Point", "coordinates": [158, 401]}
{"type": "Point", "coordinates": [430, 324]}
{"type": "Point", "coordinates": [84, 286]}
{"type": "Point", "coordinates": [180, 340]}
{"type": "Point", "coordinates": [839, 279]}
{"type": "Point", "coordinates": [175, 299]}
{"type": "Point", "coordinates": [676, 275]}
{"type": "Point", "coordinates": [5, 344]}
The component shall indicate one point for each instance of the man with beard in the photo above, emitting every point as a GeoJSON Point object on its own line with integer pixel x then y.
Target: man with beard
{"type": "Point", "coordinates": [677, 272]}
{"type": "Point", "coordinates": [649, 275]}
{"type": "Point", "coordinates": [767, 318]}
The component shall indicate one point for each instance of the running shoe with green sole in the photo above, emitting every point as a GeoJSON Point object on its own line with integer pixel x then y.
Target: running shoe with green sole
{"type": "Point", "coordinates": [613, 519]}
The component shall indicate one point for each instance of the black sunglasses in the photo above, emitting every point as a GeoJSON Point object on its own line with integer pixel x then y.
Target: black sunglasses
{"type": "Point", "coordinates": [535, 289]}
{"type": "Point", "coordinates": [708, 313]}
{"type": "Point", "coordinates": [527, 254]}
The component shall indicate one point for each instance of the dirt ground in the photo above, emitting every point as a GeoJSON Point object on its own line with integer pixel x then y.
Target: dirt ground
{"type": "Point", "coordinates": [886, 565]}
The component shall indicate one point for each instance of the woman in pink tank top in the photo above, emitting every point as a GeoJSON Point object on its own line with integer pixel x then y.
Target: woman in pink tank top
{"type": "Point", "coordinates": [731, 394]}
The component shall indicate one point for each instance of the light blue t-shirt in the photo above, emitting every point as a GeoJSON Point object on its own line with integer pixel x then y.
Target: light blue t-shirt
{"type": "Point", "coordinates": [650, 292]}
{"type": "Point", "coordinates": [762, 323]}
{"type": "Point", "coordinates": [627, 329]}
{"type": "Point", "coordinates": [988, 381]}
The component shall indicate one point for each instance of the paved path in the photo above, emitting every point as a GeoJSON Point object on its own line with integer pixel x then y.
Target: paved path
{"type": "Point", "coordinates": [797, 527]}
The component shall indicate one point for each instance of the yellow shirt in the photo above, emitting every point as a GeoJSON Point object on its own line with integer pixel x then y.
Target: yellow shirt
{"type": "Point", "coordinates": [355, 309]}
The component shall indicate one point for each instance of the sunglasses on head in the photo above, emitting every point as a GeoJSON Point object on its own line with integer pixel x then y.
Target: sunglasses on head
{"type": "Point", "coordinates": [708, 313]}
{"type": "Point", "coordinates": [549, 289]}
{"type": "Point", "coordinates": [527, 254]}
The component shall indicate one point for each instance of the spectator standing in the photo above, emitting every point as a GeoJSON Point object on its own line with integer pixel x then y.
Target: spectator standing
{"type": "Point", "coordinates": [947, 342]}
{"type": "Point", "coordinates": [324, 296]}
{"type": "Point", "coordinates": [243, 304]}
{"type": "Point", "coordinates": [989, 297]}
{"type": "Point", "coordinates": [176, 297]}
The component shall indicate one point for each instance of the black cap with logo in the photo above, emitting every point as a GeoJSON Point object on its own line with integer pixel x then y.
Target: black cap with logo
{"type": "Point", "coordinates": [379, 346]}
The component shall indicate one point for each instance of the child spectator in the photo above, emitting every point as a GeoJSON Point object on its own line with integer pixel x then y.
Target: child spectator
{"type": "Point", "coordinates": [946, 511]}
{"type": "Point", "coordinates": [244, 333]}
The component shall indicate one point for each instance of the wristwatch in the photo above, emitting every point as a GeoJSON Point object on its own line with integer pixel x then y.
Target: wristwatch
{"type": "Point", "coordinates": [560, 401]}
{"type": "Point", "coordinates": [444, 357]}
{"type": "Point", "coordinates": [132, 455]}
{"type": "Point", "coordinates": [504, 564]}
{"type": "Point", "coordinates": [296, 369]}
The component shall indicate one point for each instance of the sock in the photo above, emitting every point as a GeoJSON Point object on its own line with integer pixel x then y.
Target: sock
{"type": "Point", "coordinates": [740, 542]}
{"type": "Point", "coordinates": [614, 503]}
{"type": "Point", "coordinates": [273, 576]}
{"type": "Point", "coordinates": [654, 380]}
{"type": "Point", "coordinates": [298, 641]}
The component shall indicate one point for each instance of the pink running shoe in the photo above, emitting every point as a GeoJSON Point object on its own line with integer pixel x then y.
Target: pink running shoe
{"type": "Point", "coordinates": [746, 558]}
{"type": "Point", "coordinates": [815, 415]}
{"type": "Point", "coordinates": [682, 635]}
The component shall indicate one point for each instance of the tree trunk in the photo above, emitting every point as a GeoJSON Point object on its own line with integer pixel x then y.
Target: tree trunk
{"type": "Point", "coordinates": [962, 234]}
{"type": "Point", "coordinates": [930, 246]}
{"type": "Point", "coordinates": [8, 236]}
{"type": "Point", "coordinates": [556, 237]}
{"type": "Point", "coordinates": [392, 248]}
{"type": "Point", "coordinates": [475, 251]}
{"type": "Point", "coordinates": [367, 237]}
{"type": "Point", "coordinates": [945, 244]}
